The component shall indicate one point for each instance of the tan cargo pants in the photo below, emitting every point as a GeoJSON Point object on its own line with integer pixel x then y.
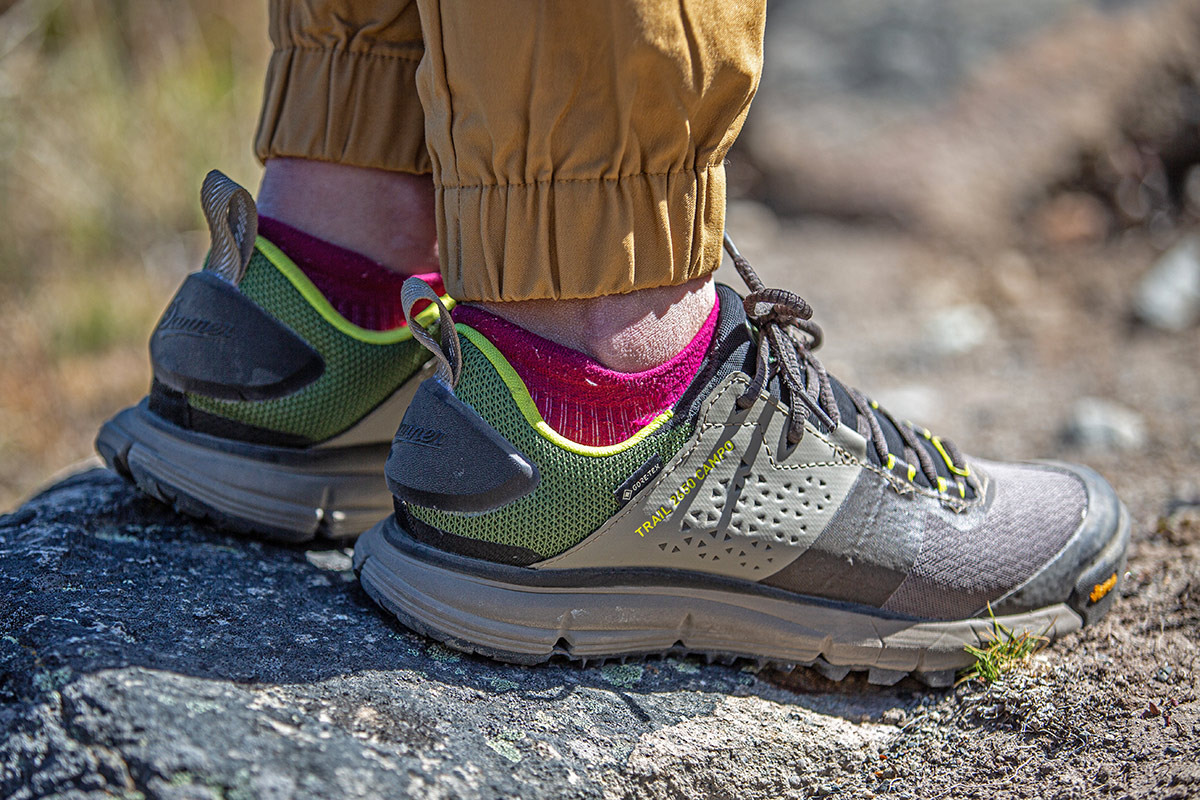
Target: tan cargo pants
{"type": "Point", "coordinates": [576, 146]}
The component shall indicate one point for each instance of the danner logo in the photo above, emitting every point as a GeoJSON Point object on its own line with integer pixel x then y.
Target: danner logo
{"type": "Point", "coordinates": [425, 437]}
{"type": "Point", "coordinates": [178, 323]}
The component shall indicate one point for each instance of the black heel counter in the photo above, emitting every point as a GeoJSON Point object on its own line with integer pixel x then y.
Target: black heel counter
{"type": "Point", "coordinates": [465, 465]}
{"type": "Point", "coordinates": [215, 341]}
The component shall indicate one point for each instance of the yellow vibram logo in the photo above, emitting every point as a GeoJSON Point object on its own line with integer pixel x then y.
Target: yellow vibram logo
{"type": "Point", "coordinates": [1101, 589]}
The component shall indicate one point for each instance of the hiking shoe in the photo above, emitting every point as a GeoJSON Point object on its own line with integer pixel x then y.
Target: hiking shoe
{"type": "Point", "coordinates": [270, 413]}
{"type": "Point", "coordinates": [772, 514]}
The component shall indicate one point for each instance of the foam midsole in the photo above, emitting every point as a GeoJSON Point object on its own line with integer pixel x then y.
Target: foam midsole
{"type": "Point", "coordinates": [515, 619]}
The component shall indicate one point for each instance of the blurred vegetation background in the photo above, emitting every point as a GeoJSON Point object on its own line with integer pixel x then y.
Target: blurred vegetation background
{"type": "Point", "coordinates": [111, 112]}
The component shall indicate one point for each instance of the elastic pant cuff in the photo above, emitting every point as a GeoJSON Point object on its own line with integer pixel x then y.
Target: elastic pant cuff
{"type": "Point", "coordinates": [580, 238]}
{"type": "Point", "coordinates": [353, 108]}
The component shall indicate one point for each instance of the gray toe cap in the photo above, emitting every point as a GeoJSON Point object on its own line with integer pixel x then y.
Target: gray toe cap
{"type": "Point", "coordinates": [1079, 574]}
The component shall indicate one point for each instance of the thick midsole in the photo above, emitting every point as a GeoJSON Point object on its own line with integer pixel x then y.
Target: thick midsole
{"type": "Point", "coordinates": [338, 492]}
{"type": "Point", "coordinates": [518, 619]}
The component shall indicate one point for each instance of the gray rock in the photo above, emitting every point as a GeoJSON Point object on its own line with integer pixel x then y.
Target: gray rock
{"type": "Point", "coordinates": [1184, 498]}
{"type": "Point", "coordinates": [1168, 296]}
{"type": "Point", "coordinates": [958, 329]}
{"type": "Point", "coordinates": [143, 655]}
{"type": "Point", "coordinates": [1097, 424]}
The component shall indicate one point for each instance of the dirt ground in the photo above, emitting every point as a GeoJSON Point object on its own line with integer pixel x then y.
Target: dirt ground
{"type": "Point", "coordinates": [1110, 712]}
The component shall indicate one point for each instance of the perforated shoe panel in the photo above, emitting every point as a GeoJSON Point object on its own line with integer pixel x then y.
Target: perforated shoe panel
{"type": "Point", "coordinates": [734, 501]}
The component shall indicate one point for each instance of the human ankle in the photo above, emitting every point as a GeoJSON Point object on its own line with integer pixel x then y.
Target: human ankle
{"type": "Point", "coordinates": [386, 216]}
{"type": "Point", "coordinates": [630, 332]}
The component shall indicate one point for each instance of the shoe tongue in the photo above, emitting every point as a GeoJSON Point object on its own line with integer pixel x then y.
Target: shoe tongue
{"type": "Point", "coordinates": [733, 329]}
{"type": "Point", "coordinates": [891, 435]}
{"type": "Point", "coordinates": [732, 350]}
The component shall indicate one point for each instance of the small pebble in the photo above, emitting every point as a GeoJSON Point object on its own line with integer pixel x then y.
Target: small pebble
{"type": "Point", "coordinates": [1168, 296]}
{"type": "Point", "coordinates": [958, 329]}
{"type": "Point", "coordinates": [1097, 424]}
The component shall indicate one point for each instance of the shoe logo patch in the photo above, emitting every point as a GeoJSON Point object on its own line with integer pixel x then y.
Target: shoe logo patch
{"type": "Point", "coordinates": [638, 480]}
{"type": "Point", "coordinates": [1101, 589]}
{"type": "Point", "coordinates": [175, 322]}
{"type": "Point", "coordinates": [425, 437]}
{"type": "Point", "coordinates": [686, 488]}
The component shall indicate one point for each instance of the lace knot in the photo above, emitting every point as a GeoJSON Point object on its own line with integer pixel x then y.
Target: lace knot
{"type": "Point", "coordinates": [775, 313]}
{"type": "Point", "coordinates": [777, 306]}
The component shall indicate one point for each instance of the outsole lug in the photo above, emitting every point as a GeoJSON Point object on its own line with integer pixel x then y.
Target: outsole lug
{"type": "Point", "coordinates": [885, 677]}
{"type": "Point", "coordinates": [833, 673]}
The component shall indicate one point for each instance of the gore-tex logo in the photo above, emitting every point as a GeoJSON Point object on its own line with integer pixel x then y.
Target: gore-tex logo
{"type": "Point", "coordinates": [638, 480]}
{"type": "Point", "coordinates": [425, 437]}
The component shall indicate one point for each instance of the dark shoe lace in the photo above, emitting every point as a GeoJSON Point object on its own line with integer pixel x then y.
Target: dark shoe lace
{"type": "Point", "coordinates": [788, 337]}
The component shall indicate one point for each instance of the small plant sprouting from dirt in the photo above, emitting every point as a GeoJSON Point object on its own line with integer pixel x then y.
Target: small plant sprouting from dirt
{"type": "Point", "coordinates": [1005, 652]}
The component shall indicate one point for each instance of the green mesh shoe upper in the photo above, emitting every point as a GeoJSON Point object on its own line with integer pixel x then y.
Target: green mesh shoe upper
{"type": "Point", "coordinates": [575, 494]}
{"type": "Point", "coordinates": [362, 367]}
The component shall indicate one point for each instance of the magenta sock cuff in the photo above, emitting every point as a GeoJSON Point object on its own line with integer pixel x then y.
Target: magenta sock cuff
{"type": "Point", "coordinates": [580, 397]}
{"type": "Point", "coordinates": [362, 290]}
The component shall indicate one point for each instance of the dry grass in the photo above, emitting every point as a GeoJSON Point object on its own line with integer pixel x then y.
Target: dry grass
{"type": "Point", "coordinates": [110, 114]}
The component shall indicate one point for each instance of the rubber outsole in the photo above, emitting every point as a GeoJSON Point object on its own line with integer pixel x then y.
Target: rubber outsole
{"type": "Point", "coordinates": [274, 493]}
{"type": "Point", "coordinates": [533, 622]}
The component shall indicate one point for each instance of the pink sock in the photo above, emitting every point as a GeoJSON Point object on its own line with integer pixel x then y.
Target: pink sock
{"type": "Point", "coordinates": [363, 291]}
{"type": "Point", "coordinates": [576, 395]}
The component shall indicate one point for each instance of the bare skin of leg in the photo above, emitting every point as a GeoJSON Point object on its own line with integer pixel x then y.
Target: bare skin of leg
{"type": "Point", "coordinates": [389, 217]}
{"type": "Point", "coordinates": [386, 216]}
{"type": "Point", "coordinates": [624, 332]}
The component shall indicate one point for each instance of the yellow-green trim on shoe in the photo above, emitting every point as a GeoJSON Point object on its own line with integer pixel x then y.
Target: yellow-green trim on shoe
{"type": "Point", "coordinates": [529, 410]}
{"type": "Point", "coordinates": [313, 296]}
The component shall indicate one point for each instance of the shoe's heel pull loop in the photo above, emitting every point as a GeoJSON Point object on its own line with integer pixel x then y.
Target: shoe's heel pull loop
{"type": "Point", "coordinates": [449, 352]}
{"type": "Point", "coordinates": [232, 224]}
